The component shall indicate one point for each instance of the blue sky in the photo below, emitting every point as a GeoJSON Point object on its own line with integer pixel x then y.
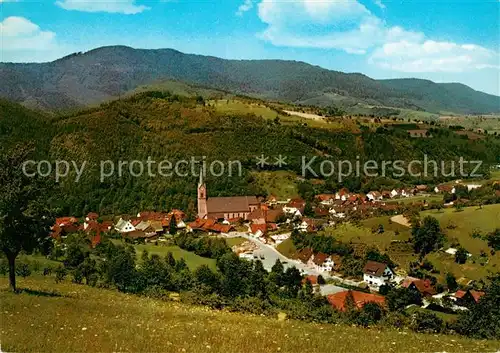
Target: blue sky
{"type": "Point", "coordinates": [441, 40]}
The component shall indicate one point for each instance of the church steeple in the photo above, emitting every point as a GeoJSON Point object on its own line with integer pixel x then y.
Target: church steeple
{"type": "Point", "coordinates": [202, 197]}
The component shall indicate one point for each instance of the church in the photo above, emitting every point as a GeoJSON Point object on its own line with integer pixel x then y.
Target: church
{"type": "Point", "coordinates": [224, 207]}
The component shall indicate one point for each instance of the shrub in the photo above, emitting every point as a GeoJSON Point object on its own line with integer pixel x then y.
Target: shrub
{"type": "Point", "coordinates": [427, 322]}
{"type": "Point", "coordinates": [61, 273]}
{"type": "Point", "coordinates": [23, 270]}
{"type": "Point", "coordinates": [77, 276]}
{"type": "Point", "coordinates": [47, 270]}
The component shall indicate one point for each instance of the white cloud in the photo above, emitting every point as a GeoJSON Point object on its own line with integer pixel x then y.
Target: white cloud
{"type": "Point", "coordinates": [245, 7]}
{"type": "Point", "coordinates": [349, 26]}
{"type": "Point", "coordinates": [19, 33]}
{"type": "Point", "coordinates": [380, 4]}
{"type": "Point", "coordinates": [343, 24]}
{"type": "Point", "coordinates": [127, 7]}
{"type": "Point", "coordinates": [432, 56]}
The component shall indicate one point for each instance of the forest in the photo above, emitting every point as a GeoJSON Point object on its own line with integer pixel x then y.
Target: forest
{"type": "Point", "coordinates": [160, 125]}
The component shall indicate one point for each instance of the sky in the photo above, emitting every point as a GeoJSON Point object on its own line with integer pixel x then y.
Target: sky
{"type": "Point", "coordinates": [439, 40]}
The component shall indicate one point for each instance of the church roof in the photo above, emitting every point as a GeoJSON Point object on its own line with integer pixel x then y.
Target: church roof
{"type": "Point", "coordinates": [231, 204]}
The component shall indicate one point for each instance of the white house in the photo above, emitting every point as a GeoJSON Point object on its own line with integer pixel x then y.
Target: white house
{"type": "Point", "coordinates": [322, 262]}
{"type": "Point", "coordinates": [376, 274]}
{"type": "Point", "coordinates": [394, 193]}
{"type": "Point", "coordinates": [444, 188]}
{"type": "Point", "coordinates": [342, 194]}
{"type": "Point", "coordinates": [123, 226]}
{"type": "Point", "coordinates": [374, 196]}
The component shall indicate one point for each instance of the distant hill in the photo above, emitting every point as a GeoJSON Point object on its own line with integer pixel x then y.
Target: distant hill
{"type": "Point", "coordinates": [101, 74]}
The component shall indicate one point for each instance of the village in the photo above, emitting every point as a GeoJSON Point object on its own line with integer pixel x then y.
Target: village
{"type": "Point", "coordinates": [263, 224]}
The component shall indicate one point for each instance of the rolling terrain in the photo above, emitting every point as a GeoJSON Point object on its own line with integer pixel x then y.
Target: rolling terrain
{"type": "Point", "coordinates": [164, 126]}
{"type": "Point", "coordinates": [104, 73]}
{"type": "Point", "coordinates": [67, 317]}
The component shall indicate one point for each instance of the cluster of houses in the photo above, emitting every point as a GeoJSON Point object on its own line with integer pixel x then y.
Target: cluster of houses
{"type": "Point", "coordinates": [90, 225]}
{"type": "Point", "coordinates": [377, 274]}
{"type": "Point", "coordinates": [145, 225]}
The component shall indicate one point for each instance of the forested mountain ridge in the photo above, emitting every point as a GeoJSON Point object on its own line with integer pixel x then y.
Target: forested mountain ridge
{"type": "Point", "coordinates": [104, 73]}
{"type": "Point", "coordinates": [164, 126]}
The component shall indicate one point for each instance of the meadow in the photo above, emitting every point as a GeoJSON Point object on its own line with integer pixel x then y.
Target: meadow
{"type": "Point", "coordinates": [192, 260]}
{"type": "Point", "coordinates": [66, 317]}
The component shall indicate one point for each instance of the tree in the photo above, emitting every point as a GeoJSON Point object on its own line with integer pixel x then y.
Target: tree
{"type": "Point", "coordinates": [321, 280]}
{"type": "Point", "coordinates": [258, 282]}
{"type": "Point", "coordinates": [25, 219]}
{"type": "Point", "coordinates": [370, 314]}
{"type": "Point", "coordinates": [276, 275]}
{"type": "Point", "coordinates": [427, 236]}
{"type": "Point", "coordinates": [172, 228]}
{"type": "Point", "coordinates": [494, 239]}
{"type": "Point", "coordinates": [400, 298]}
{"type": "Point", "coordinates": [481, 321]}
{"type": "Point", "coordinates": [308, 210]}
{"type": "Point", "coordinates": [292, 280]}
{"type": "Point", "coordinates": [427, 322]}
{"type": "Point", "coordinates": [461, 255]}
{"type": "Point", "coordinates": [451, 282]}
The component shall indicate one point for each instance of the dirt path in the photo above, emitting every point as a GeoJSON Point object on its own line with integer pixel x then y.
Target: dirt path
{"type": "Point", "coordinates": [401, 220]}
{"type": "Point", "coordinates": [305, 115]}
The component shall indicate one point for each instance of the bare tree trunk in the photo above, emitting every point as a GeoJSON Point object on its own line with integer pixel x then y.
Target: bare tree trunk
{"type": "Point", "coordinates": [12, 271]}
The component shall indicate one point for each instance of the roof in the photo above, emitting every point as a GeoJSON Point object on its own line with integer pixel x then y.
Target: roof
{"type": "Point", "coordinates": [476, 295]}
{"type": "Point", "coordinates": [311, 278]}
{"type": "Point", "coordinates": [424, 287]}
{"type": "Point", "coordinates": [297, 203]}
{"type": "Point", "coordinates": [325, 197]}
{"type": "Point", "coordinates": [136, 234]}
{"type": "Point", "coordinates": [230, 204]}
{"type": "Point", "coordinates": [421, 131]}
{"type": "Point", "coordinates": [256, 227]}
{"type": "Point", "coordinates": [210, 225]}
{"type": "Point", "coordinates": [320, 258]}
{"type": "Point", "coordinates": [374, 268]}
{"type": "Point", "coordinates": [337, 300]}
{"type": "Point", "coordinates": [305, 254]}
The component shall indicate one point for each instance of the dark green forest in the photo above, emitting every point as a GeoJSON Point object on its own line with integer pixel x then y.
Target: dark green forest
{"type": "Point", "coordinates": [165, 126]}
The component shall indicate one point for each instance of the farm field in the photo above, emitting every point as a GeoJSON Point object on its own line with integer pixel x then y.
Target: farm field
{"type": "Point", "coordinates": [192, 260]}
{"type": "Point", "coordinates": [65, 317]}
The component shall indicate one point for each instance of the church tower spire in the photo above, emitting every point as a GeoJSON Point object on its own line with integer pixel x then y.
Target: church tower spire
{"type": "Point", "coordinates": [202, 197]}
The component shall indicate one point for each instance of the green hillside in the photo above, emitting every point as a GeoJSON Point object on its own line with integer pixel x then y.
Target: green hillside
{"type": "Point", "coordinates": [65, 317]}
{"type": "Point", "coordinates": [98, 75]}
{"type": "Point", "coordinates": [174, 128]}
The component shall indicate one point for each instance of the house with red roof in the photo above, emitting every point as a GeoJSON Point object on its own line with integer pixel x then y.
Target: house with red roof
{"type": "Point", "coordinates": [358, 299]}
{"type": "Point", "coordinates": [424, 287]}
{"type": "Point", "coordinates": [468, 297]}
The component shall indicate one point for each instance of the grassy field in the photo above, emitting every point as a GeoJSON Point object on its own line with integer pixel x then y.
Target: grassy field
{"type": "Point", "coordinates": [193, 261]}
{"type": "Point", "coordinates": [65, 317]}
{"type": "Point", "coordinates": [419, 198]}
{"type": "Point", "coordinates": [235, 241]}
{"type": "Point", "coordinates": [348, 232]}
{"type": "Point", "coordinates": [287, 248]}
{"type": "Point", "coordinates": [236, 106]}
{"type": "Point", "coordinates": [281, 184]}
{"type": "Point", "coordinates": [465, 222]}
